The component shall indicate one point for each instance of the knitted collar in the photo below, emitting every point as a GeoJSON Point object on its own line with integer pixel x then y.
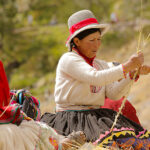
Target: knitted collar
{"type": "Point", "coordinates": [88, 60]}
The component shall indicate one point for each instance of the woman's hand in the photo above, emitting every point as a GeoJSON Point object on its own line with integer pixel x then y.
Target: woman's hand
{"type": "Point", "coordinates": [134, 62]}
{"type": "Point", "coordinates": [144, 70]}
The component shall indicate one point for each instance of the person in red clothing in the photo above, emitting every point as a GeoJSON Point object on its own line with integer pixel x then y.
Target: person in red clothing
{"type": "Point", "coordinates": [128, 110]}
{"type": "Point", "coordinates": [4, 87]}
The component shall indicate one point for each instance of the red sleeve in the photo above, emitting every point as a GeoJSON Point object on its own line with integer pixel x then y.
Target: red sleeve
{"type": "Point", "coordinates": [4, 87]}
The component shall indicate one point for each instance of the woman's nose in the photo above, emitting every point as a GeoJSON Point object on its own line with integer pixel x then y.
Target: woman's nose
{"type": "Point", "coordinates": [97, 43]}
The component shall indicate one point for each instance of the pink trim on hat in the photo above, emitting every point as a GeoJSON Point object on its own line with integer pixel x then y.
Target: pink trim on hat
{"type": "Point", "coordinates": [82, 23]}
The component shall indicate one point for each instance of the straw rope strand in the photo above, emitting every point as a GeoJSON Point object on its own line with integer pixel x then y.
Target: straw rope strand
{"type": "Point", "coordinates": [138, 50]}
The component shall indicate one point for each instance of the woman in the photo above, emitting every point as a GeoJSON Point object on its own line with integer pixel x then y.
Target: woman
{"type": "Point", "coordinates": [83, 82]}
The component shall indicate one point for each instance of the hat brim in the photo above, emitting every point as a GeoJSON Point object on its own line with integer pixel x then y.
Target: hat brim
{"type": "Point", "coordinates": [103, 27]}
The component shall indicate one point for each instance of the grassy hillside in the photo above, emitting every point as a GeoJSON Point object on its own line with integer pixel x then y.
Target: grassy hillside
{"type": "Point", "coordinates": [39, 58]}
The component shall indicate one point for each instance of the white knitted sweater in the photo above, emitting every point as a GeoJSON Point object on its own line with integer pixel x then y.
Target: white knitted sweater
{"type": "Point", "coordinates": [80, 86]}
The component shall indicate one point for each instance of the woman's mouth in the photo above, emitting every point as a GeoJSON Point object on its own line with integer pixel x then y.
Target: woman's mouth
{"type": "Point", "coordinates": [94, 51]}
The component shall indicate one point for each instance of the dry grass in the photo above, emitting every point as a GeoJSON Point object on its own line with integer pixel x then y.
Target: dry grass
{"type": "Point", "coordinates": [48, 106]}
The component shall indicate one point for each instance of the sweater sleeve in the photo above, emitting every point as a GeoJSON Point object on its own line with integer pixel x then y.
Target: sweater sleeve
{"type": "Point", "coordinates": [118, 89]}
{"type": "Point", "coordinates": [75, 66]}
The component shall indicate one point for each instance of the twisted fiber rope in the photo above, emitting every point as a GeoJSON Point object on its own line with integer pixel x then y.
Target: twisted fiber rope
{"type": "Point", "coordinates": [125, 98]}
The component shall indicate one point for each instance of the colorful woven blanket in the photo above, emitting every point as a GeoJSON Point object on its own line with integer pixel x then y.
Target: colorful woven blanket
{"type": "Point", "coordinates": [125, 138]}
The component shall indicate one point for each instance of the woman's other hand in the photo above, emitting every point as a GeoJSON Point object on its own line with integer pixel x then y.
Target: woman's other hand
{"type": "Point", "coordinates": [134, 62]}
{"type": "Point", "coordinates": [144, 70]}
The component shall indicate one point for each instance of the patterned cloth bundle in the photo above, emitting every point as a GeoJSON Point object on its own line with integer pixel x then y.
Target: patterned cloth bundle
{"type": "Point", "coordinates": [11, 114]}
{"type": "Point", "coordinates": [27, 103]}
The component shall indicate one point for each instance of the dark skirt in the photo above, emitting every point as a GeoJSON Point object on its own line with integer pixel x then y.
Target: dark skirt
{"type": "Point", "coordinates": [92, 122]}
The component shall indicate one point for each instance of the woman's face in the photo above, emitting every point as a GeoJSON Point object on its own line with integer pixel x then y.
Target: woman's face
{"type": "Point", "coordinates": [89, 45]}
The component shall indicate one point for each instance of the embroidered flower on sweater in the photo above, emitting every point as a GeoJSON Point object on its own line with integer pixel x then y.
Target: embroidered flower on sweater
{"type": "Point", "coordinates": [95, 89]}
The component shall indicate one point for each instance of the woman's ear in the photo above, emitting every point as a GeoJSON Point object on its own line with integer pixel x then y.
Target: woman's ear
{"type": "Point", "coordinates": [76, 41]}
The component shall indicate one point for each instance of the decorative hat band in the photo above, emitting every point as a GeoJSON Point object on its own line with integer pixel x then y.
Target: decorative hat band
{"type": "Point", "coordinates": [83, 23]}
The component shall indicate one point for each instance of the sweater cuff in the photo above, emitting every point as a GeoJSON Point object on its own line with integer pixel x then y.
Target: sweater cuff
{"type": "Point", "coordinates": [117, 73]}
{"type": "Point", "coordinates": [121, 71]}
{"type": "Point", "coordinates": [136, 78]}
{"type": "Point", "coordinates": [124, 72]}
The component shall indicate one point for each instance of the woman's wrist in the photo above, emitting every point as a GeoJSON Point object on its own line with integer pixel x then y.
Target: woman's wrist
{"type": "Point", "coordinates": [134, 75]}
{"type": "Point", "coordinates": [126, 67]}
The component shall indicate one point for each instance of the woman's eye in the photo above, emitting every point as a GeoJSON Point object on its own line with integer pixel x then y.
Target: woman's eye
{"type": "Point", "coordinates": [99, 39]}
